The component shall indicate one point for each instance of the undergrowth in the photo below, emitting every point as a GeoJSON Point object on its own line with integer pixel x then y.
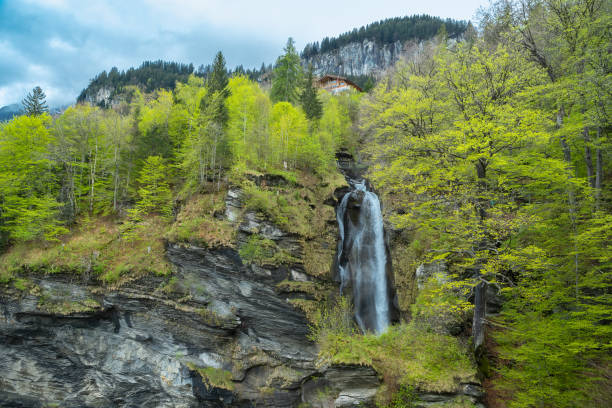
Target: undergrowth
{"type": "Point", "coordinates": [262, 251]}
{"type": "Point", "coordinates": [95, 249]}
{"type": "Point", "coordinates": [197, 222]}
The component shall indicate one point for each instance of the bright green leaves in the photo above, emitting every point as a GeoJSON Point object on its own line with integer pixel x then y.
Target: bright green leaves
{"type": "Point", "coordinates": [465, 145]}
{"type": "Point", "coordinates": [249, 116]}
{"type": "Point", "coordinates": [28, 208]}
{"type": "Point", "coordinates": [154, 192]}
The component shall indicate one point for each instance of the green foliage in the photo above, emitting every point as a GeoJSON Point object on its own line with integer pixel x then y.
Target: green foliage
{"type": "Point", "coordinates": [217, 80]}
{"type": "Point", "coordinates": [405, 397]}
{"type": "Point", "coordinates": [197, 223]}
{"type": "Point", "coordinates": [28, 208]}
{"type": "Point", "coordinates": [442, 305]}
{"type": "Point", "coordinates": [154, 192]}
{"type": "Point", "coordinates": [493, 150]}
{"type": "Point", "coordinates": [249, 117]}
{"type": "Point", "coordinates": [288, 211]}
{"type": "Point", "coordinates": [287, 75]}
{"type": "Point", "coordinates": [333, 318]}
{"type": "Point", "coordinates": [309, 100]}
{"type": "Point", "coordinates": [316, 290]}
{"type": "Point", "coordinates": [262, 251]}
{"type": "Point", "coordinates": [150, 76]}
{"type": "Point", "coordinates": [214, 377]}
{"type": "Point", "coordinates": [34, 103]}
{"type": "Point", "coordinates": [407, 355]}
{"type": "Point", "coordinates": [388, 31]}
{"type": "Point", "coordinates": [95, 250]}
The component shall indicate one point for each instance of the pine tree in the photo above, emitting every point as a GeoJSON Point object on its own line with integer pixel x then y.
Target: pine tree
{"type": "Point", "coordinates": [34, 103]}
{"type": "Point", "coordinates": [218, 79]}
{"type": "Point", "coordinates": [287, 75]}
{"type": "Point", "coordinates": [218, 90]}
{"type": "Point", "coordinates": [309, 99]}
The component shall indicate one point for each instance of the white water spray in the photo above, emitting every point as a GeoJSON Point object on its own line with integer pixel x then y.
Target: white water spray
{"type": "Point", "coordinates": [362, 260]}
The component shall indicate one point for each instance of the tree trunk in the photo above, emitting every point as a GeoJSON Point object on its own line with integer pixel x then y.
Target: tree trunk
{"type": "Point", "coordinates": [480, 305]}
{"type": "Point", "coordinates": [571, 198]}
{"type": "Point", "coordinates": [598, 171]}
{"type": "Point", "coordinates": [116, 176]}
{"type": "Point", "coordinates": [93, 177]}
{"type": "Point", "coordinates": [481, 171]}
{"type": "Point", "coordinates": [587, 156]}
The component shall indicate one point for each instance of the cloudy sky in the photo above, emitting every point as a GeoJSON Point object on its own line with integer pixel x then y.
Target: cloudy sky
{"type": "Point", "coordinates": [62, 44]}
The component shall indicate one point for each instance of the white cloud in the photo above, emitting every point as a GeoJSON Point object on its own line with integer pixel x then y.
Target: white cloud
{"type": "Point", "coordinates": [61, 45]}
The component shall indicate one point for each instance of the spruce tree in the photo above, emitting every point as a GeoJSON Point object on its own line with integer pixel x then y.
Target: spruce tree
{"type": "Point", "coordinates": [287, 75]}
{"type": "Point", "coordinates": [217, 91]}
{"type": "Point", "coordinates": [218, 79]}
{"type": "Point", "coordinates": [310, 102]}
{"type": "Point", "coordinates": [34, 103]}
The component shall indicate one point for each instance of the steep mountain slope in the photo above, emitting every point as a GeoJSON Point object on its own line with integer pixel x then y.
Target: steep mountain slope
{"type": "Point", "coordinates": [8, 111]}
{"type": "Point", "coordinates": [370, 50]}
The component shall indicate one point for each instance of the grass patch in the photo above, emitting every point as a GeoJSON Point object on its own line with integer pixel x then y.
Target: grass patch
{"type": "Point", "coordinates": [308, 307]}
{"type": "Point", "coordinates": [318, 258]}
{"type": "Point", "coordinates": [210, 317]}
{"type": "Point", "coordinates": [22, 284]}
{"type": "Point", "coordinates": [288, 208]}
{"type": "Point", "coordinates": [262, 251]}
{"type": "Point", "coordinates": [214, 377]}
{"type": "Point", "coordinates": [297, 206]}
{"type": "Point", "coordinates": [97, 248]}
{"type": "Point", "coordinates": [406, 355]}
{"type": "Point", "coordinates": [318, 291]}
{"type": "Point", "coordinates": [198, 224]}
{"type": "Point", "coordinates": [67, 307]}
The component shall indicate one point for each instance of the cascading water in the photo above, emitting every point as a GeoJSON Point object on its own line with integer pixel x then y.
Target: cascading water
{"type": "Point", "coordinates": [362, 257]}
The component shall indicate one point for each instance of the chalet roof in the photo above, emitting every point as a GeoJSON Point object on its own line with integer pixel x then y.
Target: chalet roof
{"type": "Point", "coordinates": [328, 77]}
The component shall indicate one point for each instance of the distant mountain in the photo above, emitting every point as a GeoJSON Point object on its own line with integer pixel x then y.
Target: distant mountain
{"type": "Point", "coordinates": [370, 50]}
{"type": "Point", "coordinates": [149, 76]}
{"type": "Point", "coordinates": [7, 112]}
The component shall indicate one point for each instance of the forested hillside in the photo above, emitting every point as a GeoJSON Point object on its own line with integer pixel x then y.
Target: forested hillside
{"type": "Point", "coordinates": [417, 27]}
{"type": "Point", "coordinates": [150, 76]}
{"type": "Point", "coordinates": [492, 160]}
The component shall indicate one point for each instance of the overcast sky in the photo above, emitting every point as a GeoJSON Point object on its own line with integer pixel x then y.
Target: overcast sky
{"type": "Point", "coordinates": [62, 44]}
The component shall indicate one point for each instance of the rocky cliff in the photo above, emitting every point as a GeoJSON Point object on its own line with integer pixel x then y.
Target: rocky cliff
{"type": "Point", "coordinates": [366, 58]}
{"type": "Point", "coordinates": [220, 332]}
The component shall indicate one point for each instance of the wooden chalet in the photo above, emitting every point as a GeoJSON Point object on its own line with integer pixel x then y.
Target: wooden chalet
{"type": "Point", "coordinates": [336, 84]}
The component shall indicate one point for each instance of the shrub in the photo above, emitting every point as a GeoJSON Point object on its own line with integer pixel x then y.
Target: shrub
{"type": "Point", "coordinates": [334, 318]}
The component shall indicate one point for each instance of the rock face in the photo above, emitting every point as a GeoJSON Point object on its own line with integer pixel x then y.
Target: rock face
{"type": "Point", "coordinates": [218, 334]}
{"type": "Point", "coordinates": [362, 58]}
{"type": "Point", "coordinates": [100, 97]}
{"type": "Point", "coordinates": [358, 58]}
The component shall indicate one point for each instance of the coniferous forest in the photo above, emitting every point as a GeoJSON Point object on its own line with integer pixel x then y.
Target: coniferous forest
{"type": "Point", "coordinates": [491, 155]}
{"type": "Point", "coordinates": [388, 31]}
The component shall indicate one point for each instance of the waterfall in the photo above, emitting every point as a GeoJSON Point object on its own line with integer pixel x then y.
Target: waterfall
{"type": "Point", "coordinates": [362, 257]}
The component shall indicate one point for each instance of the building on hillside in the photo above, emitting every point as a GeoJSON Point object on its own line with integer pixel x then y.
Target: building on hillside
{"type": "Point", "coordinates": [336, 84]}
